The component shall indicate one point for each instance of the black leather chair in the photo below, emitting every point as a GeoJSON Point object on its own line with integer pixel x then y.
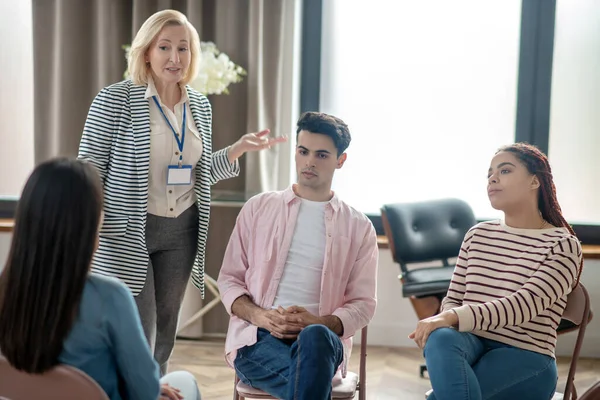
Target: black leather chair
{"type": "Point", "coordinates": [424, 232]}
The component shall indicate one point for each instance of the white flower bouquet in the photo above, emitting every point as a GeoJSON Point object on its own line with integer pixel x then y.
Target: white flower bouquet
{"type": "Point", "coordinates": [216, 70]}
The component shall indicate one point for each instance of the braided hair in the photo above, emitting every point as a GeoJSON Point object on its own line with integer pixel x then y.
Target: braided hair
{"type": "Point", "coordinates": [537, 164]}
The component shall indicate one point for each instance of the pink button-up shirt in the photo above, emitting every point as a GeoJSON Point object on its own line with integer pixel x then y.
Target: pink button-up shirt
{"type": "Point", "coordinates": [258, 249]}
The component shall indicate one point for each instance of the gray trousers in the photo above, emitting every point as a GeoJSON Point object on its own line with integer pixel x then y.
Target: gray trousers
{"type": "Point", "coordinates": [171, 244]}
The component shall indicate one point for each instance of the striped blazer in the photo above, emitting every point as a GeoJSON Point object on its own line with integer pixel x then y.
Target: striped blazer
{"type": "Point", "coordinates": [116, 139]}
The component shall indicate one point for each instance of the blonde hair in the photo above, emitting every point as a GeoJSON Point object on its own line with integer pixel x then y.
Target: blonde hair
{"type": "Point", "coordinates": [137, 68]}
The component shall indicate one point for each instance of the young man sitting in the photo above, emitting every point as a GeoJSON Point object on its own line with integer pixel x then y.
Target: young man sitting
{"type": "Point", "coordinates": [299, 274]}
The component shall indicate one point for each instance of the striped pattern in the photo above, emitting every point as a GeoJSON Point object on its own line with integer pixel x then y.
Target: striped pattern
{"type": "Point", "coordinates": [116, 139]}
{"type": "Point", "coordinates": [511, 285]}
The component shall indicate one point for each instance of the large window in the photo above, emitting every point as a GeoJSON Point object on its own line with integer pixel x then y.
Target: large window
{"type": "Point", "coordinates": [429, 91]}
{"type": "Point", "coordinates": [575, 109]}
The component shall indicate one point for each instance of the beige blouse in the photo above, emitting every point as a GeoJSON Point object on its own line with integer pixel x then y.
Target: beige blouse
{"type": "Point", "coordinates": [170, 200]}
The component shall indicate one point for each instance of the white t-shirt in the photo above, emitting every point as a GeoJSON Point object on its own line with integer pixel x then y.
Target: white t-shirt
{"type": "Point", "coordinates": [300, 284]}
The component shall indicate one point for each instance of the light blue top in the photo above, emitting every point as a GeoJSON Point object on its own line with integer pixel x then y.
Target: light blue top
{"type": "Point", "coordinates": [107, 342]}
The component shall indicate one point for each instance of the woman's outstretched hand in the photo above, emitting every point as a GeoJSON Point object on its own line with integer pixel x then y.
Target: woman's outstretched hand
{"type": "Point", "coordinates": [253, 142]}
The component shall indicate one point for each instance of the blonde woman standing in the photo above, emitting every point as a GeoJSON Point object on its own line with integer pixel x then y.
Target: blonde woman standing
{"type": "Point", "coordinates": [150, 138]}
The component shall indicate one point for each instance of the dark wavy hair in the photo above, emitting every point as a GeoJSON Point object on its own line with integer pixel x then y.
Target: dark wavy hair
{"type": "Point", "coordinates": [537, 164]}
{"type": "Point", "coordinates": [54, 239]}
{"type": "Point", "coordinates": [328, 125]}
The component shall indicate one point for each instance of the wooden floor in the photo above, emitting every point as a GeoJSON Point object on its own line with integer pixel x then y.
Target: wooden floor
{"type": "Point", "coordinates": [392, 372]}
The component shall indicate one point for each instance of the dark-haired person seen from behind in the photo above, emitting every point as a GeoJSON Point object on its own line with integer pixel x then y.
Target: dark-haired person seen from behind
{"type": "Point", "coordinates": [53, 310]}
{"type": "Point", "coordinates": [299, 274]}
{"type": "Point", "coordinates": [151, 138]}
{"type": "Point", "coordinates": [496, 334]}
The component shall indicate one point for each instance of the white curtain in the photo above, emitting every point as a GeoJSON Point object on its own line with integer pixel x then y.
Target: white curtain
{"type": "Point", "coordinates": [273, 88]}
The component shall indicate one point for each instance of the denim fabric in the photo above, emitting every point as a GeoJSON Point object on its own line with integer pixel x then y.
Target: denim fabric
{"type": "Point", "coordinates": [463, 366]}
{"type": "Point", "coordinates": [299, 369]}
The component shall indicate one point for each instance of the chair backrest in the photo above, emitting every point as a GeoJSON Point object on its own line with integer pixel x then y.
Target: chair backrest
{"type": "Point", "coordinates": [577, 308]}
{"type": "Point", "coordinates": [592, 393]}
{"type": "Point", "coordinates": [577, 312]}
{"type": "Point", "coordinates": [61, 382]}
{"type": "Point", "coordinates": [426, 231]}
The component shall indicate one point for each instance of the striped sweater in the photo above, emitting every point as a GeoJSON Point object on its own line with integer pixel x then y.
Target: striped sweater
{"type": "Point", "coordinates": [511, 285]}
{"type": "Point", "coordinates": [116, 139]}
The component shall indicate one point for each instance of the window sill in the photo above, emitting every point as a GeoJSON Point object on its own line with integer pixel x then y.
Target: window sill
{"type": "Point", "coordinates": [6, 225]}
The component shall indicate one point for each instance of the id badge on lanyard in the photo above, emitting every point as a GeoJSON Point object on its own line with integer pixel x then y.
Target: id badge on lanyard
{"type": "Point", "coordinates": [180, 174]}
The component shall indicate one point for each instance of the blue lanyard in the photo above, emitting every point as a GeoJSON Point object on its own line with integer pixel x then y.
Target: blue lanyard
{"type": "Point", "coordinates": [179, 142]}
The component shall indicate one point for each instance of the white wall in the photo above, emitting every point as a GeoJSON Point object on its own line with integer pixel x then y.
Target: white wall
{"type": "Point", "coordinates": [591, 345]}
{"type": "Point", "coordinates": [16, 95]}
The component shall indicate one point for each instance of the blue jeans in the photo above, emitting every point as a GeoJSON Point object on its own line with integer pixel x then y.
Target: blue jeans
{"type": "Point", "coordinates": [465, 366]}
{"type": "Point", "coordinates": [300, 369]}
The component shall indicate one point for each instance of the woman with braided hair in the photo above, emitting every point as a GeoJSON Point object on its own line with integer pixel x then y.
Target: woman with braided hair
{"type": "Point", "coordinates": [496, 333]}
